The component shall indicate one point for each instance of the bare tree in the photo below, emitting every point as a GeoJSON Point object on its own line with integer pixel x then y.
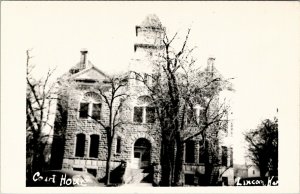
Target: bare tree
{"type": "Point", "coordinates": [39, 99]}
{"type": "Point", "coordinates": [263, 146]}
{"type": "Point", "coordinates": [113, 93]}
{"type": "Point", "coordinates": [176, 87]}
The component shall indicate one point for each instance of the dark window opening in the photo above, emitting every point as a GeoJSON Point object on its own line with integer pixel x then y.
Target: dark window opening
{"type": "Point", "coordinates": [225, 181]}
{"type": "Point", "coordinates": [118, 147]}
{"type": "Point", "coordinates": [137, 154]}
{"type": "Point", "coordinates": [202, 152]}
{"type": "Point", "coordinates": [92, 171]}
{"type": "Point", "coordinates": [138, 115]}
{"type": "Point", "coordinates": [94, 146]}
{"type": "Point", "coordinates": [146, 155]}
{"type": "Point", "coordinates": [84, 109]}
{"type": "Point", "coordinates": [86, 81]}
{"type": "Point", "coordinates": [96, 111]}
{"type": "Point", "coordinates": [78, 169]}
{"type": "Point", "coordinates": [150, 114]}
{"type": "Point", "coordinates": [80, 145]}
{"type": "Point", "coordinates": [73, 71]}
{"type": "Point", "coordinates": [190, 152]}
{"type": "Point", "coordinates": [224, 156]}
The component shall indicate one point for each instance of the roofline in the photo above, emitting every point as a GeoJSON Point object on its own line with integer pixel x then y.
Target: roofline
{"type": "Point", "coordinates": [85, 70]}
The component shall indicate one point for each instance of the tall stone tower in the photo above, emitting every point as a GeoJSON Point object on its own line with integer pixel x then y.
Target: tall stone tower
{"type": "Point", "coordinates": [149, 36]}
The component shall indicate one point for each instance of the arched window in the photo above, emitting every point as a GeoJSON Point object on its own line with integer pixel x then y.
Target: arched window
{"type": "Point", "coordinates": [90, 106]}
{"type": "Point", "coordinates": [94, 146]}
{"type": "Point", "coordinates": [80, 145]}
{"type": "Point", "coordinates": [144, 112]}
{"type": "Point", "coordinates": [195, 114]}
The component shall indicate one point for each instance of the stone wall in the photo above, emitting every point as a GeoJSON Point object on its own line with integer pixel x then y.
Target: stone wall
{"type": "Point", "coordinates": [128, 133]}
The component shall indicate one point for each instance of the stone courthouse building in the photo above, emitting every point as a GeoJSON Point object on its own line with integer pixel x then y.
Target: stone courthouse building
{"type": "Point", "coordinates": [81, 143]}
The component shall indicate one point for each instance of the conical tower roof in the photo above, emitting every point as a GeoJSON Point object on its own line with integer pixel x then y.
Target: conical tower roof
{"type": "Point", "coordinates": [151, 20]}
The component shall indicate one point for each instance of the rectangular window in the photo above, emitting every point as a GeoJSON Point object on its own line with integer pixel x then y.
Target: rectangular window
{"type": "Point", "coordinates": [138, 114]}
{"type": "Point", "coordinates": [96, 111]}
{"type": "Point", "coordinates": [202, 153]}
{"type": "Point", "coordinates": [224, 156]}
{"type": "Point", "coordinates": [80, 145]}
{"type": "Point", "coordinates": [150, 115]}
{"type": "Point", "coordinates": [84, 109]}
{"type": "Point", "coordinates": [190, 152]}
{"type": "Point", "coordinates": [77, 169]}
{"type": "Point", "coordinates": [94, 146]}
{"type": "Point", "coordinates": [118, 147]}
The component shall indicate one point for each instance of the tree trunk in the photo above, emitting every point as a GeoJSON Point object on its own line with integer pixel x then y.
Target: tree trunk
{"type": "Point", "coordinates": [178, 176]}
{"type": "Point", "coordinates": [108, 165]}
{"type": "Point", "coordinates": [166, 176]}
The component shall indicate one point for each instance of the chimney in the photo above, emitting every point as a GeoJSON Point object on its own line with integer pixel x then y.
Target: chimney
{"type": "Point", "coordinates": [211, 63]}
{"type": "Point", "coordinates": [83, 58]}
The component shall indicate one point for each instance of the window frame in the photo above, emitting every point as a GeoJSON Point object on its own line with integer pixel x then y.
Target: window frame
{"type": "Point", "coordinates": [76, 154]}
{"type": "Point", "coordinates": [118, 145]}
{"type": "Point", "coordinates": [188, 158]}
{"type": "Point", "coordinates": [92, 147]}
{"type": "Point", "coordinates": [90, 109]}
{"type": "Point", "coordinates": [224, 156]}
{"type": "Point", "coordinates": [87, 110]}
{"type": "Point", "coordinates": [144, 106]}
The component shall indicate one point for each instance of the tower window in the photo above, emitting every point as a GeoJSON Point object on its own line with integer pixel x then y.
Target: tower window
{"type": "Point", "coordinates": [144, 112]}
{"type": "Point", "coordinates": [138, 115]}
{"type": "Point", "coordinates": [150, 114]}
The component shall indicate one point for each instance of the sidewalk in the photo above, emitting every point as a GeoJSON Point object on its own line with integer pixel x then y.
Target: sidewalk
{"type": "Point", "coordinates": [138, 185]}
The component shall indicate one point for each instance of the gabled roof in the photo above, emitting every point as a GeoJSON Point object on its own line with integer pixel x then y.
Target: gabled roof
{"type": "Point", "coordinates": [89, 73]}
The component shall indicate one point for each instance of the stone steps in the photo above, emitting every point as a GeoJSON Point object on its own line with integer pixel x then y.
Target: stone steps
{"type": "Point", "coordinates": [135, 176]}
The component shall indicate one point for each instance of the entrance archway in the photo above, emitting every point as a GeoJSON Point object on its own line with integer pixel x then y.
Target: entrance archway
{"type": "Point", "coordinates": [141, 153]}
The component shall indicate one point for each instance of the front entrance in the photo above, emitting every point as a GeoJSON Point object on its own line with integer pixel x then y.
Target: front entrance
{"type": "Point", "coordinates": [141, 154]}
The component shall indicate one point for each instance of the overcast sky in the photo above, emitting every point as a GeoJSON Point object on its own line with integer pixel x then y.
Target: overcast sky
{"type": "Point", "coordinates": [256, 43]}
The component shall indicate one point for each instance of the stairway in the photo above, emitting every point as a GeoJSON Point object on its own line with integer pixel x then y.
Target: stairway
{"type": "Point", "coordinates": [214, 176]}
{"type": "Point", "coordinates": [134, 176]}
